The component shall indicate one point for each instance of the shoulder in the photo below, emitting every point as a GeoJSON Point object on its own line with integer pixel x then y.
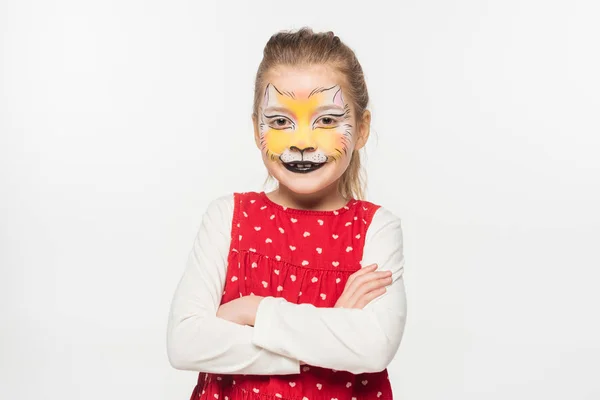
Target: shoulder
{"type": "Point", "coordinates": [384, 242]}
{"type": "Point", "coordinates": [383, 216]}
{"type": "Point", "coordinates": [385, 223]}
{"type": "Point", "coordinates": [220, 208]}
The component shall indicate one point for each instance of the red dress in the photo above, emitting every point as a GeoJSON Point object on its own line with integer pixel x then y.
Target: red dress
{"type": "Point", "coordinates": [305, 257]}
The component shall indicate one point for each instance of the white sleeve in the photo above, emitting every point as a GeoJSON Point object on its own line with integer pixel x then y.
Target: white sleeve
{"type": "Point", "coordinates": [196, 339]}
{"type": "Point", "coordinates": [354, 340]}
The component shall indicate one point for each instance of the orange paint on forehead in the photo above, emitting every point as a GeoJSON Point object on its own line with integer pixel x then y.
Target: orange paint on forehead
{"type": "Point", "coordinates": [303, 94]}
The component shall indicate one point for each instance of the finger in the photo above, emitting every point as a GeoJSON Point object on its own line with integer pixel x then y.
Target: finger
{"type": "Point", "coordinates": [350, 291]}
{"type": "Point", "coordinates": [367, 287]}
{"type": "Point", "coordinates": [358, 278]}
{"type": "Point", "coordinates": [367, 277]}
{"type": "Point", "coordinates": [362, 271]}
{"type": "Point", "coordinates": [369, 297]}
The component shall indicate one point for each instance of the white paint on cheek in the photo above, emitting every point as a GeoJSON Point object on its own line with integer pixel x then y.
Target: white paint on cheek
{"type": "Point", "coordinates": [295, 156]}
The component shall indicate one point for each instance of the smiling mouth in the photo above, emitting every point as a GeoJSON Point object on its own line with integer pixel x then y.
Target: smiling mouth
{"type": "Point", "coordinates": [302, 167]}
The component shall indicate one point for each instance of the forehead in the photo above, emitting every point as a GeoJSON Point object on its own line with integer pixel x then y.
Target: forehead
{"type": "Point", "coordinates": [303, 80]}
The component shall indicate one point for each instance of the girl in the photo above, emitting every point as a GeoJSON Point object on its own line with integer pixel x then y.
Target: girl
{"type": "Point", "coordinates": [298, 293]}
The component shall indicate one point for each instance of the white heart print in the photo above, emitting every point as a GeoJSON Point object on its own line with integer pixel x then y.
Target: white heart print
{"type": "Point", "coordinates": [314, 280]}
{"type": "Point", "coordinates": [292, 248]}
{"type": "Point", "coordinates": [294, 220]}
{"type": "Point", "coordinates": [268, 240]}
{"type": "Point", "coordinates": [334, 236]}
{"type": "Point", "coordinates": [320, 221]}
{"type": "Point", "coordinates": [323, 296]}
{"type": "Point", "coordinates": [335, 263]}
{"type": "Point", "coordinates": [319, 250]}
{"type": "Point", "coordinates": [305, 263]}
{"type": "Point", "coordinates": [265, 284]}
{"type": "Point", "coordinates": [306, 234]}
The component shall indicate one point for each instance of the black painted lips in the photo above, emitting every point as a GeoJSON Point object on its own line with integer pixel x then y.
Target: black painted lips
{"type": "Point", "coordinates": [302, 167]}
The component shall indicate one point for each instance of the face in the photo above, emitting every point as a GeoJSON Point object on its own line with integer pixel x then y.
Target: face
{"type": "Point", "coordinates": [306, 127]}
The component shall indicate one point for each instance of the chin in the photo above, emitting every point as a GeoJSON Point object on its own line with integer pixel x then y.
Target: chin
{"type": "Point", "coordinates": [305, 183]}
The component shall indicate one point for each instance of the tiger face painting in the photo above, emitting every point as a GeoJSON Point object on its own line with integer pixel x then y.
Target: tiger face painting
{"type": "Point", "coordinates": [305, 133]}
{"type": "Point", "coordinates": [305, 128]}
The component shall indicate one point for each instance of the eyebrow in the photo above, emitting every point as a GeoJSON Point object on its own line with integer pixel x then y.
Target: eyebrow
{"type": "Point", "coordinates": [276, 109]}
{"type": "Point", "coordinates": [331, 107]}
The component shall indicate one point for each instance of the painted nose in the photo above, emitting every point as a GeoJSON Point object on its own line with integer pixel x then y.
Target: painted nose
{"type": "Point", "coordinates": [302, 150]}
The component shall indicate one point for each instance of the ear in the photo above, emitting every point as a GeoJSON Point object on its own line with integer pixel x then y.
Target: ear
{"type": "Point", "coordinates": [363, 131]}
{"type": "Point", "coordinates": [256, 131]}
{"type": "Point", "coordinates": [271, 96]}
{"type": "Point", "coordinates": [334, 95]}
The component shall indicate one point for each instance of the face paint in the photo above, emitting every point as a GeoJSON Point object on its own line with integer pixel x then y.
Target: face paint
{"type": "Point", "coordinates": [305, 131]}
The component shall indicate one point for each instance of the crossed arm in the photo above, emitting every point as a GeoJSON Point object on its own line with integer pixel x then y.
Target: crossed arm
{"type": "Point", "coordinates": [355, 340]}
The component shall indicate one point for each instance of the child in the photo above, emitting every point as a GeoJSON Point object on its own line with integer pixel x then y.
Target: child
{"type": "Point", "coordinates": [281, 297]}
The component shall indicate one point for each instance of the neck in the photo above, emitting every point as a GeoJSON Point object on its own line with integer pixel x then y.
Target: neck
{"type": "Point", "coordinates": [327, 199]}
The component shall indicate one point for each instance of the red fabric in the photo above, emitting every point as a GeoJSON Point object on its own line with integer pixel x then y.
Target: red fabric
{"type": "Point", "coordinates": [305, 257]}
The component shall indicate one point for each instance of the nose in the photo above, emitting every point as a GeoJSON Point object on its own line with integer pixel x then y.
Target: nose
{"type": "Point", "coordinates": [302, 150]}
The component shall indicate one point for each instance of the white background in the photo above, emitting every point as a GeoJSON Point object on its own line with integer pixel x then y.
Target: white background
{"type": "Point", "coordinates": [120, 120]}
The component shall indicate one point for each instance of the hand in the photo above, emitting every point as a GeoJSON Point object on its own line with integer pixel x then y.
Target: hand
{"type": "Point", "coordinates": [363, 286]}
{"type": "Point", "coordinates": [241, 311]}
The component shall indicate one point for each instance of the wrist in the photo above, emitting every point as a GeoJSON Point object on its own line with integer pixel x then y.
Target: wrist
{"type": "Point", "coordinates": [250, 317]}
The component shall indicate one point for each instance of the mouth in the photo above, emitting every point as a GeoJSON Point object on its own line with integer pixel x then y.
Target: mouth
{"type": "Point", "coordinates": [302, 167]}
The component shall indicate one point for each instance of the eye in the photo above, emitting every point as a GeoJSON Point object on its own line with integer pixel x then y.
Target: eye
{"type": "Point", "coordinates": [280, 122]}
{"type": "Point", "coordinates": [326, 121]}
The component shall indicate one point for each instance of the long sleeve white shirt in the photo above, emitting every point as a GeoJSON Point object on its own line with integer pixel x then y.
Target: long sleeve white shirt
{"type": "Point", "coordinates": [354, 340]}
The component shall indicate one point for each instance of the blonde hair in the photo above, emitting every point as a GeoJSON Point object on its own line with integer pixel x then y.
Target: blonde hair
{"type": "Point", "coordinates": [305, 47]}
